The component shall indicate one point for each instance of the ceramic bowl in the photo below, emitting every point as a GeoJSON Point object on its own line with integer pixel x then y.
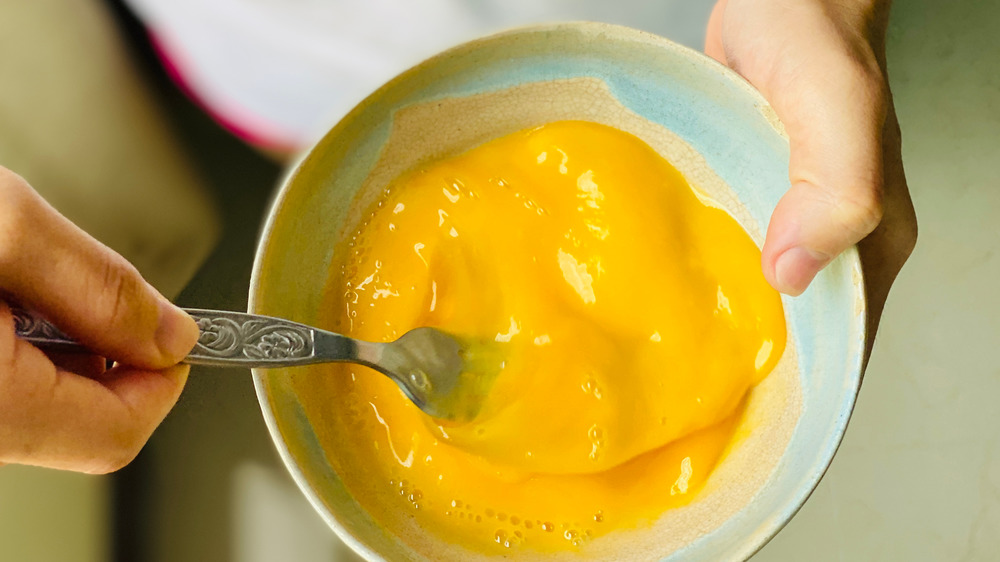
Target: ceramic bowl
{"type": "Point", "coordinates": [706, 120]}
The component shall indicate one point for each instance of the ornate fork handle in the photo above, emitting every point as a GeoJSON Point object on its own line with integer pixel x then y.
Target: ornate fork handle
{"type": "Point", "coordinates": [227, 339]}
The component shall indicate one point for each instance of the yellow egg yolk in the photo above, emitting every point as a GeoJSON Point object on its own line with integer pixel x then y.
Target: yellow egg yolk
{"type": "Point", "coordinates": [629, 314]}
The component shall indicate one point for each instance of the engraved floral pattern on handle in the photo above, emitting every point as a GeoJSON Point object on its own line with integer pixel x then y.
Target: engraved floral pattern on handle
{"type": "Point", "coordinates": [253, 338]}
{"type": "Point", "coordinates": [227, 338]}
{"type": "Point", "coordinates": [31, 327]}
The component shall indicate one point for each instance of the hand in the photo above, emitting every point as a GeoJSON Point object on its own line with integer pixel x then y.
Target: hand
{"type": "Point", "coordinates": [67, 411]}
{"type": "Point", "coordinates": [821, 65]}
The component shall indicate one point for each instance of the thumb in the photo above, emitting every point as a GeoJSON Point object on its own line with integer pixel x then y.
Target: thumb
{"type": "Point", "coordinates": [834, 109]}
{"type": "Point", "coordinates": [89, 291]}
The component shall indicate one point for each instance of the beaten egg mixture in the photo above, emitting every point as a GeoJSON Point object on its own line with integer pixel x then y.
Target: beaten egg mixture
{"type": "Point", "coordinates": [629, 315]}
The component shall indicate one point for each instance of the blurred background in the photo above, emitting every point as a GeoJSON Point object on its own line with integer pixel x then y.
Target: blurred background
{"type": "Point", "coordinates": [146, 146]}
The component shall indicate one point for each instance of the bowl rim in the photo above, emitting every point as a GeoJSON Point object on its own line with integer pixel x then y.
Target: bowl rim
{"type": "Point", "coordinates": [752, 543]}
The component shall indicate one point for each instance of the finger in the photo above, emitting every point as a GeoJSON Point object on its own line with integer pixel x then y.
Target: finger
{"type": "Point", "coordinates": [53, 418]}
{"type": "Point", "coordinates": [82, 286]}
{"type": "Point", "coordinates": [832, 103]}
{"type": "Point", "coordinates": [713, 34]}
{"type": "Point", "coordinates": [82, 364]}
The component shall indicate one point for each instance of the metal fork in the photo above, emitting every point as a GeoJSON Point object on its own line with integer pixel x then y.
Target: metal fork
{"type": "Point", "coordinates": [426, 363]}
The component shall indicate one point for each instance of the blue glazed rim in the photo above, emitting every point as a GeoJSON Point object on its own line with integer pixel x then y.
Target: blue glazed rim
{"type": "Point", "coordinates": [631, 85]}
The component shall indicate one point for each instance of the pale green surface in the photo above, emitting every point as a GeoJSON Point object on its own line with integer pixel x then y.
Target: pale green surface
{"type": "Point", "coordinates": [49, 516]}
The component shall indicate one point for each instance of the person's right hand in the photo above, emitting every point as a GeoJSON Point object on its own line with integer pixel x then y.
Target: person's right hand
{"type": "Point", "coordinates": [67, 411]}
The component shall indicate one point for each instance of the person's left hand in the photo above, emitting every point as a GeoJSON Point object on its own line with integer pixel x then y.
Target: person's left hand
{"type": "Point", "coordinates": [821, 65]}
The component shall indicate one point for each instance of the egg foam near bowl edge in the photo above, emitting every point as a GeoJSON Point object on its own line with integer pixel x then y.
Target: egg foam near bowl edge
{"type": "Point", "coordinates": [629, 312]}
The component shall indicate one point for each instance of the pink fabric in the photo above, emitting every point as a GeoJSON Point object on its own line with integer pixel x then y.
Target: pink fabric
{"type": "Point", "coordinates": [244, 125]}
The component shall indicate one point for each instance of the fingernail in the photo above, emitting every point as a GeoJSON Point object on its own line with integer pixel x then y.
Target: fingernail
{"type": "Point", "coordinates": [795, 269]}
{"type": "Point", "coordinates": [177, 332]}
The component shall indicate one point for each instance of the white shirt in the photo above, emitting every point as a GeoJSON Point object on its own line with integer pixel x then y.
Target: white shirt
{"type": "Point", "coordinates": [280, 72]}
